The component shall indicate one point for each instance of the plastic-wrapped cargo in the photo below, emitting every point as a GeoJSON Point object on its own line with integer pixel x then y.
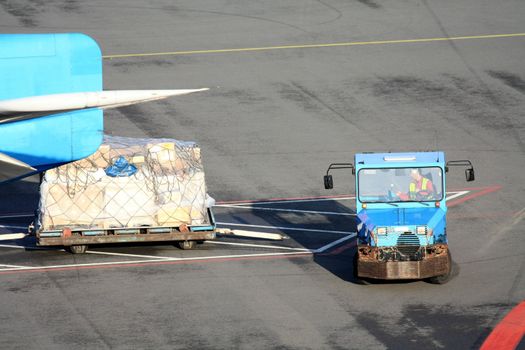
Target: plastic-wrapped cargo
{"type": "Point", "coordinates": [128, 182]}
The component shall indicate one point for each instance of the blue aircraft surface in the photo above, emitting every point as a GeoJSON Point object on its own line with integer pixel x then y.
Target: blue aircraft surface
{"type": "Point", "coordinates": [51, 101]}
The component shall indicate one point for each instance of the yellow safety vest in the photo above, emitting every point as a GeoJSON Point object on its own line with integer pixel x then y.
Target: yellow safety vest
{"type": "Point", "coordinates": [413, 190]}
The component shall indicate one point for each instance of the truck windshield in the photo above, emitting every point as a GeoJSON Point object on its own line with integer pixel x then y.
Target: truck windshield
{"type": "Point", "coordinates": [388, 185]}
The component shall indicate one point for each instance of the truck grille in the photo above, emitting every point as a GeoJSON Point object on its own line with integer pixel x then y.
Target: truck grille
{"type": "Point", "coordinates": [408, 244]}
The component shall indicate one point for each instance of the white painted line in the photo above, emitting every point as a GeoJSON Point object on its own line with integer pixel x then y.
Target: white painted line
{"type": "Point", "coordinates": [13, 246]}
{"type": "Point", "coordinates": [88, 264]}
{"type": "Point", "coordinates": [288, 201]}
{"type": "Point", "coordinates": [17, 216]}
{"type": "Point", "coordinates": [124, 254]}
{"type": "Point", "coordinates": [30, 248]}
{"type": "Point", "coordinates": [334, 243]}
{"type": "Point", "coordinates": [11, 236]}
{"type": "Point", "coordinates": [15, 227]}
{"type": "Point", "coordinates": [244, 255]}
{"type": "Point", "coordinates": [456, 195]}
{"type": "Point", "coordinates": [280, 201]}
{"type": "Point", "coordinates": [151, 261]}
{"type": "Point", "coordinates": [283, 228]}
{"type": "Point", "coordinates": [258, 246]}
{"type": "Point", "coordinates": [288, 210]}
{"type": "Point", "coordinates": [12, 266]}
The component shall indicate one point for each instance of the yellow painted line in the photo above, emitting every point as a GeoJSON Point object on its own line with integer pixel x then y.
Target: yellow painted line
{"type": "Point", "coordinates": [311, 46]}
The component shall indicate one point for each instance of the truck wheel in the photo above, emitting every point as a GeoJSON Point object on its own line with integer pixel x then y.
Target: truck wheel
{"type": "Point", "coordinates": [186, 245]}
{"type": "Point", "coordinates": [77, 249]}
{"type": "Point", "coordinates": [442, 279]}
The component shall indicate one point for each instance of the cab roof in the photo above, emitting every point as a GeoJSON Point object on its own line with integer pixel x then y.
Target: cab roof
{"type": "Point", "coordinates": [399, 159]}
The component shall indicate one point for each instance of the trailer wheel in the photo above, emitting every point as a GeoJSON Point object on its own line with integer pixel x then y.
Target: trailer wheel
{"type": "Point", "coordinates": [442, 279]}
{"type": "Point", "coordinates": [77, 249]}
{"type": "Point", "coordinates": [186, 245]}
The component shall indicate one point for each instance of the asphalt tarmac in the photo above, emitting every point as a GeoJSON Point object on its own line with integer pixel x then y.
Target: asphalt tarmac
{"type": "Point", "coordinates": [294, 86]}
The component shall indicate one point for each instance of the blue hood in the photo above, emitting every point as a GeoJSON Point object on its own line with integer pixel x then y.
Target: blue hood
{"type": "Point", "coordinates": [399, 216]}
{"type": "Point", "coordinates": [432, 217]}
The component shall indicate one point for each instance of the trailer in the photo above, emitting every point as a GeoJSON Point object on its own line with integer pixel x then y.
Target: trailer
{"type": "Point", "coordinates": [401, 215]}
{"type": "Point", "coordinates": [77, 239]}
{"type": "Point", "coordinates": [130, 190]}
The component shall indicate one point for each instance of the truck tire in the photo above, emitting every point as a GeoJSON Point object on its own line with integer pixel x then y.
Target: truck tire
{"type": "Point", "coordinates": [442, 279]}
{"type": "Point", "coordinates": [186, 245]}
{"type": "Point", "coordinates": [77, 249]}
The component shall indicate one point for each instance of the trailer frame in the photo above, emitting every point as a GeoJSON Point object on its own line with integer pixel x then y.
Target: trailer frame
{"type": "Point", "coordinates": [83, 236]}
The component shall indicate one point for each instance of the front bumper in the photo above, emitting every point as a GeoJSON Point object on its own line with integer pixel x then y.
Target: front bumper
{"type": "Point", "coordinates": [435, 262]}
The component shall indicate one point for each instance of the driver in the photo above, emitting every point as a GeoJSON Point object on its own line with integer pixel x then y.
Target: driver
{"type": "Point", "coordinates": [420, 188]}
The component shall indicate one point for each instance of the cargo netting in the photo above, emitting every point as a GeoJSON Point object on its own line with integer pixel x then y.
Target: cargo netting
{"type": "Point", "coordinates": [127, 182]}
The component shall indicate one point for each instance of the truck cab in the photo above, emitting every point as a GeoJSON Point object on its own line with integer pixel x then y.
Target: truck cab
{"type": "Point", "coordinates": [401, 214]}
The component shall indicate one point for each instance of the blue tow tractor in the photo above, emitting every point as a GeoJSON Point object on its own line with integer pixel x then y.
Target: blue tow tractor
{"type": "Point", "coordinates": [401, 215]}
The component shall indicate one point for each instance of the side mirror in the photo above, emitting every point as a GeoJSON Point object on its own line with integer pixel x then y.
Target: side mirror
{"type": "Point", "coordinates": [328, 182]}
{"type": "Point", "coordinates": [469, 174]}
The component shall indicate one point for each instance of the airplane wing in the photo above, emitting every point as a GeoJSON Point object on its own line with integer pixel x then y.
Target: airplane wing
{"type": "Point", "coordinates": [13, 168]}
{"type": "Point", "coordinates": [51, 101]}
{"type": "Point", "coordinates": [33, 65]}
{"type": "Point", "coordinates": [41, 106]}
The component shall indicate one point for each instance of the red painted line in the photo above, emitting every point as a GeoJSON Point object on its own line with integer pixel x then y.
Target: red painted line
{"type": "Point", "coordinates": [341, 249]}
{"type": "Point", "coordinates": [480, 188]}
{"type": "Point", "coordinates": [483, 215]}
{"type": "Point", "coordinates": [154, 263]}
{"type": "Point", "coordinates": [509, 332]}
{"type": "Point", "coordinates": [284, 199]}
{"type": "Point", "coordinates": [482, 192]}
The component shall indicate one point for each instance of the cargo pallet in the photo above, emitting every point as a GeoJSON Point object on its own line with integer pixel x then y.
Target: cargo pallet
{"type": "Point", "coordinates": [77, 239]}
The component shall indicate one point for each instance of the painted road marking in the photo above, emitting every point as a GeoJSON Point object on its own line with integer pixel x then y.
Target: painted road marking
{"type": "Point", "coordinates": [246, 207]}
{"type": "Point", "coordinates": [509, 332]}
{"type": "Point", "coordinates": [516, 219]}
{"type": "Point", "coordinates": [283, 228]}
{"type": "Point", "coordinates": [15, 227]}
{"type": "Point", "coordinates": [125, 254]}
{"type": "Point", "coordinates": [450, 196]}
{"type": "Point", "coordinates": [301, 251]}
{"type": "Point", "coordinates": [476, 192]}
{"type": "Point", "coordinates": [257, 246]}
{"type": "Point", "coordinates": [11, 216]}
{"type": "Point", "coordinates": [152, 260]}
{"type": "Point", "coordinates": [312, 46]}
{"type": "Point", "coordinates": [12, 266]}
{"type": "Point", "coordinates": [334, 243]}
{"type": "Point", "coordinates": [30, 248]}
{"type": "Point", "coordinates": [318, 199]}
{"type": "Point", "coordinates": [87, 252]}
{"type": "Point", "coordinates": [167, 260]}
{"type": "Point", "coordinates": [455, 195]}
{"type": "Point", "coordinates": [273, 200]}
{"type": "Point", "coordinates": [84, 265]}
{"type": "Point", "coordinates": [286, 201]}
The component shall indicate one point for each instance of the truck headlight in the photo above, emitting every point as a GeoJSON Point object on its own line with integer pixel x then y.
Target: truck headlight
{"type": "Point", "coordinates": [381, 230]}
{"type": "Point", "coordinates": [421, 230]}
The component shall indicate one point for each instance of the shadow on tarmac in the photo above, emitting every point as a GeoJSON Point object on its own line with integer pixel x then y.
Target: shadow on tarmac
{"type": "Point", "coordinates": [18, 198]}
{"type": "Point", "coordinates": [338, 260]}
